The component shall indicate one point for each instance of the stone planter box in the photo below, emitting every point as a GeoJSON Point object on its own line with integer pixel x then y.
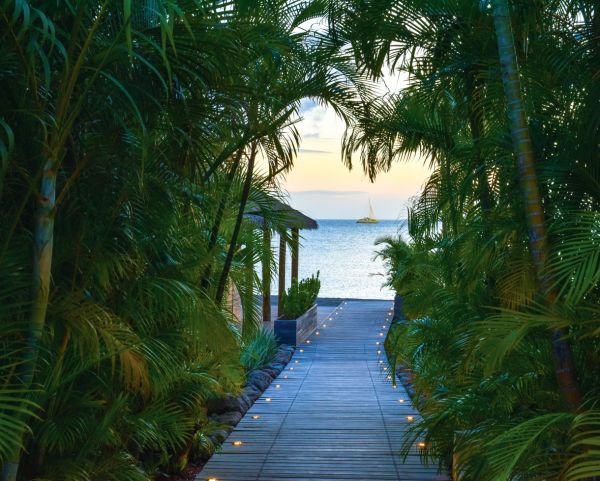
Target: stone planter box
{"type": "Point", "coordinates": [295, 331]}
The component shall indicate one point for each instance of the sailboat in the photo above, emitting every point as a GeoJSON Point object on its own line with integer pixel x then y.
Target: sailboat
{"type": "Point", "coordinates": [370, 219]}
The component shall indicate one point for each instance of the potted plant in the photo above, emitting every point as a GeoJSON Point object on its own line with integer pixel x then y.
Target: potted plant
{"type": "Point", "coordinates": [299, 318]}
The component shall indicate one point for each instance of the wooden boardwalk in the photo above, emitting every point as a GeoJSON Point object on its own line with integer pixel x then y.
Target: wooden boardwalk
{"type": "Point", "coordinates": [331, 415]}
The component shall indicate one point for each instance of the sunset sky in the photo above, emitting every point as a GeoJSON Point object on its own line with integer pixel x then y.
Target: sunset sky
{"type": "Point", "coordinates": [323, 188]}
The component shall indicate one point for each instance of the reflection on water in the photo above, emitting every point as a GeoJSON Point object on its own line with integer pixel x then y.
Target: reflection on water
{"type": "Point", "coordinates": [343, 251]}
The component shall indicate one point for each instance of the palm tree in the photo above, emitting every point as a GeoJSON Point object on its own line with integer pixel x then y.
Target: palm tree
{"type": "Point", "coordinates": [534, 210]}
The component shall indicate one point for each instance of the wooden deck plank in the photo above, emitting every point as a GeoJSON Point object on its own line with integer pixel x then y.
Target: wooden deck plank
{"type": "Point", "coordinates": [335, 415]}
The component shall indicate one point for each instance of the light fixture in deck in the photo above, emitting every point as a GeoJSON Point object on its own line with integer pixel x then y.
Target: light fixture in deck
{"type": "Point", "coordinates": [422, 445]}
{"type": "Point", "coordinates": [237, 443]}
{"type": "Point", "coordinates": [277, 386]}
{"type": "Point", "coordinates": [410, 419]}
{"type": "Point", "coordinates": [400, 401]}
{"type": "Point", "coordinates": [255, 416]}
{"type": "Point", "coordinates": [268, 399]}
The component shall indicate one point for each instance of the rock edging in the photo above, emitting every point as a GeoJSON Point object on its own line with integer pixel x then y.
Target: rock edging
{"type": "Point", "coordinates": [229, 410]}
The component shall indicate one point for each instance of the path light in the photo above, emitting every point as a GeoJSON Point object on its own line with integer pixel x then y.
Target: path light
{"type": "Point", "coordinates": [400, 400]}
{"type": "Point", "coordinates": [277, 386]}
{"type": "Point", "coordinates": [317, 333]}
{"type": "Point", "coordinates": [301, 350]}
{"type": "Point", "coordinates": [385, 368]}
{"type": "Point", "coordinates": [381, 361]}
{"type": "Point", "coordinates": [285, 377]}
{"type": "Point", "coordinates": [292, 368]}
{"type": "Point", "coordinates": [395, 387]}
{"type": "Point", "coordinates": [237, 443]}
{"type": "Point", "coordinates": [422, 445]}
{"type": "Point", "coordinates": [268, 399]}
{"type": "Point", "coordinates": [389, 378]}
{"type": "Point", "coordinates": [379, 351]}
{"type": "Point", "coordinates": [377, 343]}
{"type": "Point", "coordinates": [296, 361]}
{"type": "Point", "coordinates": [324, 325]}
{"type": "Point", "coordinates": [308, 341]}
{"type": "Point", "coordinates": [255, 416]}
{"type": "Point", "coordinates": [381, 334]}
{"type": "Point", "coordinates": [212, 479]}
{"type": "Point", "coordinates": [410, 419]}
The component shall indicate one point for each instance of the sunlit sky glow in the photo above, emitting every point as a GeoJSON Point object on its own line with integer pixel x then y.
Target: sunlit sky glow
{"type": "Point", "coordinates": [322, 187]}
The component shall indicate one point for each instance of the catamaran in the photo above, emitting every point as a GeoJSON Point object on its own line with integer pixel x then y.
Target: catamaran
{"type": "Point", "coordinates": [370, 219]}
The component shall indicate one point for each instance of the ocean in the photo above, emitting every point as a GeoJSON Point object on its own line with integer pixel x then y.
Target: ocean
{"type": "Point", "coordinates": [343, 251]}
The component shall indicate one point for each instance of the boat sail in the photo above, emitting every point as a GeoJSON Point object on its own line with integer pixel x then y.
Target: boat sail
{"type": "Point", "coordinates": [370, 219]}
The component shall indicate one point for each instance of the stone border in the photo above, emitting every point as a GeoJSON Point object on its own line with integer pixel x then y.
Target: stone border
{"type": "Point", "coordinates": [230, 410]}
{"type": "Point", "coordinates": [403, 373]}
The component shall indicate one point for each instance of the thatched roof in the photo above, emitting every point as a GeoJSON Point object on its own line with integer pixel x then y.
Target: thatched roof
{"type": "Point", "coordinates": [287, 216]}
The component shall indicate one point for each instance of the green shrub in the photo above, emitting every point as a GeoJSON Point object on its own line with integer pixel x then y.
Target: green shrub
{"type": "Point", "coordinates": [301, 296]}
{"type": "Point", "coordinates": [259, 350]}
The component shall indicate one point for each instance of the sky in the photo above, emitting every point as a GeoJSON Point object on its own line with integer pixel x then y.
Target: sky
{"type": "Point", "coordinates": [322, 187]}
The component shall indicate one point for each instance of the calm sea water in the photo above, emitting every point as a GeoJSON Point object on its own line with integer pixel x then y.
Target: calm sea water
{"type": "Point", "coordinates": [343, 251]}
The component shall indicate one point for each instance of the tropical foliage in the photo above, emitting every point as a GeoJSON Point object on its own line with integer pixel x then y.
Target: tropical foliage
{"type": "Point", "coordinates": [259, 350]}
{"type": "Point", "coordinates": [301, 296]}
{"type": "Point", "coordinates": [140, 149]}
{"type": "Point", "coordinates": [500, 272]}
{"type": "Point", "coordinates": [135, 137]}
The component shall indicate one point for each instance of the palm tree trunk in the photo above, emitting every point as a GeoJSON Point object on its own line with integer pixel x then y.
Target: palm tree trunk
{"type": "Point", "coordinates": [564, 365]}
{"type": "Point", "coordinates": [238, 225]}
{"type": "Point", "coordinates": [42, 266]}
{"type": "Point", "coordinates": [216, 227]}
{"type": "Point", "coordinates": [476, 126]}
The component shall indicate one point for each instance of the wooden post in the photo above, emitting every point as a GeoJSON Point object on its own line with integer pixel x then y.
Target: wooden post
{"type": "Point", "coordinates": [295, 249]}
{"type": "Point", "coordinates": [281, 279]}
{"type": "Point", "coordinates": [266, 275]}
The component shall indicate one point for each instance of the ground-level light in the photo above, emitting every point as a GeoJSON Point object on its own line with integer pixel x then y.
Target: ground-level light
{"type": "Point", "coordinates": [255, 416]}
{"type": "Point", "coordinates": [237, 443]}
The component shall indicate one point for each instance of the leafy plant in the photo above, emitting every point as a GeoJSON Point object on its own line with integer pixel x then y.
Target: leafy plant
{"type": "Point", "coordinates": [300, 296]}
{"type": "Point", "coordinates": [259, 350]}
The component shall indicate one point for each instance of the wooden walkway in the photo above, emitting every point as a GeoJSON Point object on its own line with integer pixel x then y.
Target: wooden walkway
{"type": "Point", "coordinates": [331, 415]}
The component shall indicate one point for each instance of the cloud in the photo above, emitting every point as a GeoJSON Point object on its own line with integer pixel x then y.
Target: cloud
{"type": "Point", "coordinates": [314, 151]}
{"type": "Point", "coordinates": [329, 192]}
